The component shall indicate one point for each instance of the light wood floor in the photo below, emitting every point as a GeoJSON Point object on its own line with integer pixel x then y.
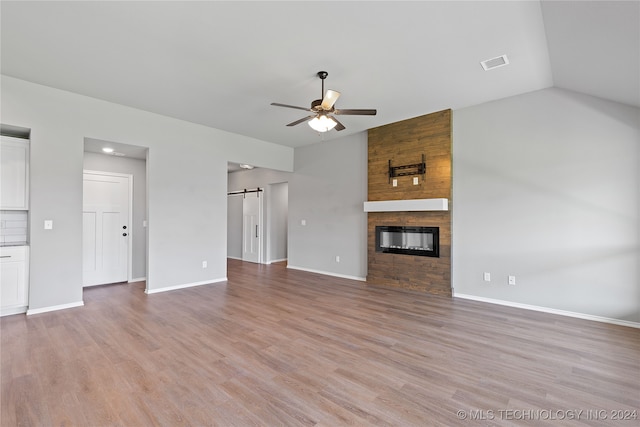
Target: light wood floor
{"type": "Point", "coordinates": [278, 347]}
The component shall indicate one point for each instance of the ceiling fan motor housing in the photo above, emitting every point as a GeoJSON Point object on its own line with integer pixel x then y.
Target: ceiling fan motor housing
{"type": "Point", "coordinates": [315, 104]}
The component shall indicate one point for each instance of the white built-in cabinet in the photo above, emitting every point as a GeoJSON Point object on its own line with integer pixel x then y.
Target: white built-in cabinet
{"type": "Point", "coordinates": [14, 279]}
{"type": "Point", "coordinates": [14, 196]}
{"type": "Point", "coordinates": [14, 173]}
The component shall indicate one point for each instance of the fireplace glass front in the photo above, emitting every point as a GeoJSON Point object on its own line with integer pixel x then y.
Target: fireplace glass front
{"type": "Point", "coordinates": [420, 241]}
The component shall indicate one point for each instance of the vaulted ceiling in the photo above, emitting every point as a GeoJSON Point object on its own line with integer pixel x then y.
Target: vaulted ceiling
{"type": "Point", "coordinates": [221, 64]}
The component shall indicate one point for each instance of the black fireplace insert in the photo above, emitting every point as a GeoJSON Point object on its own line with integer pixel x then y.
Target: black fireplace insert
{"type": "Point", "coordinates": [420, 241]}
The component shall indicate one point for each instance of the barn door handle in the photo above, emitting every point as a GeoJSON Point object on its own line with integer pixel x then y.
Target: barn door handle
{"type": "Point", "coordinates": [256, 231]}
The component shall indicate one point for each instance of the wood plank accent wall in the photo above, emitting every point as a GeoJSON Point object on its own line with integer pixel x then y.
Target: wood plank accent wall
{"type": "Point", "coordinates": [404, 143]}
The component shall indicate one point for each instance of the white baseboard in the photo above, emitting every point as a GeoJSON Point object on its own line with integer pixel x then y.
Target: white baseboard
{"type": "Point", "coordinates": [54, 308]}
{"type": "Point", "coordinates": [13, 310]}
{"type": "Point", "coordinates": [138, 279]}
{"type": "Point", "coordinates": [277, 260]}
{"type": "Point", "coordinates": [186, 285]}
{"type": "Point", "coordinates": [328, 273]}
{"type": "Point", "coordinates": [235, 257]}
{"type": "Point", "coordinates": [550, 310]}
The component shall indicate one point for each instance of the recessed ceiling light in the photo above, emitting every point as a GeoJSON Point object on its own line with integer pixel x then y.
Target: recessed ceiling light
{"type": "Point", "coordinates": [498, 61]}
{"type": "Point", "coordinates": [107, 150]}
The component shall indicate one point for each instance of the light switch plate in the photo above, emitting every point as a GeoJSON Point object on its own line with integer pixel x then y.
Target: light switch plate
{"type": "Point", "coordinates": [48, 224]}
{"type": "Point", "coordinates": [415, 180]}
{"type": "Point", "coordinates": [395, 182]}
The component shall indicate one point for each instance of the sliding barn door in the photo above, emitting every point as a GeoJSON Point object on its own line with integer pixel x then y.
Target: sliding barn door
{"type": "Point", "coordinates": [252, 227]}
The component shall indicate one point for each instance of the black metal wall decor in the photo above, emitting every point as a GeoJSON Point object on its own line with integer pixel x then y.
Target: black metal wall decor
{"type": "Point", "coordinates": [408, 170]}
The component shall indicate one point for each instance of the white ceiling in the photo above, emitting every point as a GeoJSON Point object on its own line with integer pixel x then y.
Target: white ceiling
{"type": "Point", "coordinates": [221, 64]}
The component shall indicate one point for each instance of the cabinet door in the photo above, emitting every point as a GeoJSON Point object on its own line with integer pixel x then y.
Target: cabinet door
{"type": "Point", "coordinates": [13, 286]}
{"type": "Point", "coordinates": [14, 174]}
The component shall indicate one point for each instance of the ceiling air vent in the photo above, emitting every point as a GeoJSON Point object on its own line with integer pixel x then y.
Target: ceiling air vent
{"type": "Point", "coordinates": [496, 62]}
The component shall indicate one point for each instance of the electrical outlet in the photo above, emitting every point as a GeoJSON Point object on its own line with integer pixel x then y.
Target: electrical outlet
{"type": "Point", "coordinates": [204, 264]}
{"type": "Point", "coordinates": [395, 182]}
{"type": "Point", "coordinates": [512, 280]}
{"type": "Point", "coordinates": [487, 277]}
{"type": "Point", "coordinates": [337, 258]}
{"type": "Point", "coordinates": [415, 180]}
{"type": "Point", "coordinates": [303, 222]}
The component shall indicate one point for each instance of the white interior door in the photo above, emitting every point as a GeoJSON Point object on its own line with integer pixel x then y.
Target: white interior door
{"type": "Point", "coordinates": [106, 231]}
{"type": "Point", "coordinates": [251, 227]}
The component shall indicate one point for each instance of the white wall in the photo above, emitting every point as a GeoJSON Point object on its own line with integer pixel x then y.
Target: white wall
{"type": "Point", "coordinates": [187, 186]}
{"type": "Point", "coordinates": [545, 187]}
{"type": "Point", "coordinates": [278, 221]}
{"type": "Point", "coordinates": [250, 179]}
{"type": "Point", "coordinates": [328, 190]}
{"type": "Point", "coordinates": [137, 168]}
{"type": "Point", "coordinates": [234, 226]}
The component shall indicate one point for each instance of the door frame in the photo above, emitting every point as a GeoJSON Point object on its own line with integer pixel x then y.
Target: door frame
{"type": "Point", "coordinates": [129, 178]}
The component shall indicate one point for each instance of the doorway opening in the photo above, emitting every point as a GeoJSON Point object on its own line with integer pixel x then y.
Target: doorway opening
{"type": "Point", "coordinates": [114, 213]}
{"type": "Point", "coordinates": [249, 203]}
{"type": "Point", "coordinates": [273, 228]}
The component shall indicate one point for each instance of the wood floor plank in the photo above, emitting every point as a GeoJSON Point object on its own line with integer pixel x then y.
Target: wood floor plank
{"type": "Point", "coordinates": [279, 347]}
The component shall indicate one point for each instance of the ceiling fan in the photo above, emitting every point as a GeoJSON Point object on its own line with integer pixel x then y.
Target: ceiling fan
{"type": "Point", "coordinates": [322, 119]}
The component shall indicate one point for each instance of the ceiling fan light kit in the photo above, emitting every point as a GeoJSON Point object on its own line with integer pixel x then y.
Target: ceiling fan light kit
{"type": "Point", "coordinates": [322, 119]}
{"type": "Point", "coordinates": [322, 123]}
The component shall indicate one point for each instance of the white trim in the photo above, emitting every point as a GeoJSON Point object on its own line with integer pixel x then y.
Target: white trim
{"type": "Point", "coordinates": [54, 308]}
{"type": "Point", "coordinates": [328, 273]}
{"type": "Point", "coordinates": [235, 257]}
{"type": "Point", "coordinates": [550, 310]}
{"type": "Point", "coordinates": [13, 310]}
{"type": "Point", "coordinates": [277, 260]}
{"type": "Point", "coordinates": [186, 285]}
{"type": "Point", "coordinates": [130, 230]}
{"type": "Point", "coordinates": [410, 205]}
{"type": "Point", "coordinates": [138, 279]}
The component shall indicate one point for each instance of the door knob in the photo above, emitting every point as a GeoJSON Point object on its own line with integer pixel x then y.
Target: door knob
{"type": "Point", "coordinates": [124, 227]}
{"type": "Point", "coordinates": [124, 234]}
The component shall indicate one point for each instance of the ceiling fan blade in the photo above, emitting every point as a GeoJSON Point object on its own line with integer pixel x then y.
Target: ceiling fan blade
{"type": "Point", "coordinates": [356, 112]}
{"type": "Point", "coordinates": [291, 106]}
{"type": "Point", "coordinates": [329, 99]}
{"type": "Point", "coordinates": [339, 125]}
{"type": "Point", "coordinates": [302, 120]}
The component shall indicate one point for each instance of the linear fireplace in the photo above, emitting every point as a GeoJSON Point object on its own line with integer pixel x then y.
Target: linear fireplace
{"type": "Point", "coordinates": [420, 241]}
